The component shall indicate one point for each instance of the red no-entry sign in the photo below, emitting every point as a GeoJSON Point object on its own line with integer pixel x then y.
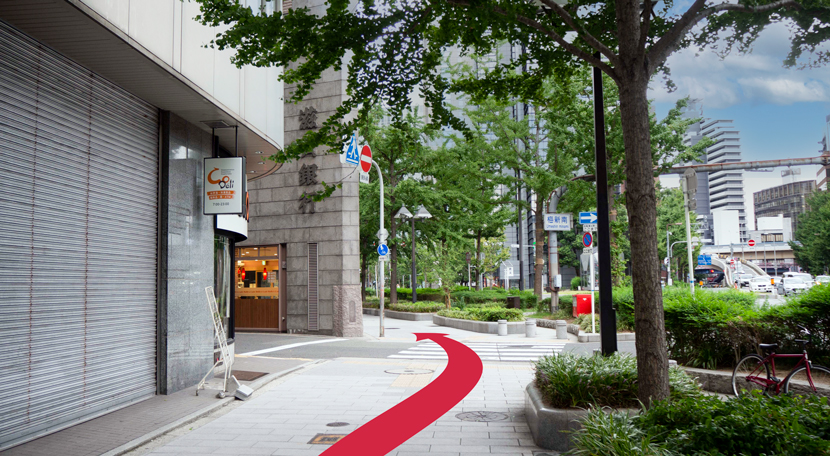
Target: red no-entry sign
{"type": "Point", "coordinates": [751, 242]}
{"type": "Point", "coordinates": [366, 159]}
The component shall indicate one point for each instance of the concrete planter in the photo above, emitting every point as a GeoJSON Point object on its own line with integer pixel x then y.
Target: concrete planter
{"type": "Point", "coordinates": [551, 428]}
{"type": "Point", "coordinates": [487, 327]}
{"type": "Point", "coordinates": [411, 316]}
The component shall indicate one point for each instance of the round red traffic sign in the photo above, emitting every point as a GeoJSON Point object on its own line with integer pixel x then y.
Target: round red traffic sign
{"type": "Point", "coordinates": [366, 159]}
{"type": "Point", "coordinates": [587, 239]}
{"type": "Point", "coordinates": [751, 242]}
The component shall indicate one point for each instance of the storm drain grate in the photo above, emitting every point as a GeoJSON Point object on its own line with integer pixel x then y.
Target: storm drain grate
{"type": "Point", "coordinates": [326, 439]}
{"type": "Point", "coordinates": [482, 417]}
{"type": "Point", "coordinates": [337, 424]}
{"type": "Point", "coordinates": [245, 376]}
{"type": "Point", "coordinates": [409, 371]}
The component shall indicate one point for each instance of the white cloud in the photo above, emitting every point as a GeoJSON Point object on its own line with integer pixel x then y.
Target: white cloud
{"type": "Point", "coordinates": [757, 77]}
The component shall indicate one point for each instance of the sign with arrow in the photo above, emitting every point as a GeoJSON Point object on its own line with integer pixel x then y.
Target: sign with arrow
{"type": "Point", "coordinates": [587, 217]}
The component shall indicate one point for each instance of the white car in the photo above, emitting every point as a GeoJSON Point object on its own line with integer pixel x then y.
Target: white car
{"type": "Point", "coordinates": [822, 280]}
{"type": "Point", "coordinates": [760, 284]}
{"type": "Point", "coordinates": [791, 285]}
{"type": "Point", "coordinates": [744, 279]}
{"type": "Point", "coordinates": [807, 278]}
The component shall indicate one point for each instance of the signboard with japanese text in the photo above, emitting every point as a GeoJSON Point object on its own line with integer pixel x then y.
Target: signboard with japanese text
{"type": "Point", "coordinates": [224, 184]}
{"type": "Point", "coordinates": [558, 222]}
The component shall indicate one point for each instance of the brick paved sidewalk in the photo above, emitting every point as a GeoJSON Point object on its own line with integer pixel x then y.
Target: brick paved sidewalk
{"type": "Point", "coordinates": [281, 421]}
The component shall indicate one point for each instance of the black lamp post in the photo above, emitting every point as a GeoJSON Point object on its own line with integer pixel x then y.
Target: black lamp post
{"type": "Point", "coordinates": [422, 212]}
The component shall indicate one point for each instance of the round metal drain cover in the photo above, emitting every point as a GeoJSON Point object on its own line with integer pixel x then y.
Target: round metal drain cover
{"type": "Point", "coordinates": [409, 371]}
{"type": "Point", "coordinates": [337, 424]}
{"type": "Point", "coordinates": [482, 417]}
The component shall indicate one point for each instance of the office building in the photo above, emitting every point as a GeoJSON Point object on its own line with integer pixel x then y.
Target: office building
{"type": "Point", "coordinates": [788, 200]}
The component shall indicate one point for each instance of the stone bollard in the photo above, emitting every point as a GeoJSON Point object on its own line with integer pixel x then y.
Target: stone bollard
{"type": "Point", "coordinates": [502, 327]}
{"type": "Point", "coordinates": [530, 328]}
{"type": "Point", "coordinates": [561, 329]}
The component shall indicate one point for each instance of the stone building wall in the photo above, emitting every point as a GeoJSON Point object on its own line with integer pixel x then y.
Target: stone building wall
{"type": "Point", "coordinates": [279, 215]}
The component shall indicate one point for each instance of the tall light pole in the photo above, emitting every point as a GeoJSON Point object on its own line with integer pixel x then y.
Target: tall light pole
{"type": "Point", "coordinates": [668, 257]}
{"type": "Point", "coordinates": [421, 213]}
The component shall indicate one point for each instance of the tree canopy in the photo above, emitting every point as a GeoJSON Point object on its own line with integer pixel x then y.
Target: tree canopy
{"type": "Point", "coordinates": [393, 47]}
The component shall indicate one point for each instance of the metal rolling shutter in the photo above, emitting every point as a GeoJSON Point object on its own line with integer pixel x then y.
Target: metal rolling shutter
{"type": "Point", "coordinates": [79, 160]}
{"type": "Point", "coordinates": [313, 316]}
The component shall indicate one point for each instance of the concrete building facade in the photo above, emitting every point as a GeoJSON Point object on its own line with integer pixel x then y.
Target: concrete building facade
{"type": "Point", "coordinates": [788, 200]}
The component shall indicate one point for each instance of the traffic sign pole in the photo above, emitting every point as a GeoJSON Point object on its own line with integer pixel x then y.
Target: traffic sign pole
{"type": "Point", "coordinates": [382, 238]}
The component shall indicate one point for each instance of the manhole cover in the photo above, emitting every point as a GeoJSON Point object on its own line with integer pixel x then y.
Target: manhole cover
{"type": "Point", "coordinates": [409, 371]}
{"type": "Point", "coordinates": [482, 416]}
{"type": "Point", "coordinates": [337, 424]}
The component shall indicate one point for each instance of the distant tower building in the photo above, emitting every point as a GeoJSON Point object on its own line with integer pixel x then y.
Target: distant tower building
{"type": "Point", "coordinates": [788, 200]}
{"type": "Point", "coordinates": [719, 190]}
{"type": "Point", "coordinates": [823, 174]}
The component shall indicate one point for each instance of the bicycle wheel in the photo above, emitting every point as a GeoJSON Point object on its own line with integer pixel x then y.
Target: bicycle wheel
{"type": "Point", "coordinates": [749, 365]}
{"type": "Point", "coordinates": [798, 383]}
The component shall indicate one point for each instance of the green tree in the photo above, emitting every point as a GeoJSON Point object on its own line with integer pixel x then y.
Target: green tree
{"type": "Point", "coordinates": [494, 253]}
{"type": "Point", "coordinates": [400, 150]}
{"type": "Point", "coordinates": [812, 238]}
{"type": "Point", "coordinates": [671, 218]}
{"type": "Point", "coordinates": [396, 47]}
{"type": "Point", "coordinates": [442, 263]}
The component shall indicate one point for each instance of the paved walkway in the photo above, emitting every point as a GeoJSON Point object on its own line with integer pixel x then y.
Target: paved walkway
{"type": "Point", "coordinates": [118, 431]}
{"type": "Point", "coordinates": [487, 351]}
{"type": "Point", "coordinates": [282, 420]}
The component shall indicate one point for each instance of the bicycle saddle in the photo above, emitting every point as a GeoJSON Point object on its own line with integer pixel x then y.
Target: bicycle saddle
{"type": "Point", "coordinates": [768, 347]}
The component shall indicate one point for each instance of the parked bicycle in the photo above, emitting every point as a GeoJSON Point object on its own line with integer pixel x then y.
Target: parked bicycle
{"type": "Point", "coordinates": [756, 373]}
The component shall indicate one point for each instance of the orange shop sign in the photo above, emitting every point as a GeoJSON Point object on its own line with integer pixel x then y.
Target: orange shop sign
{"type": "Point", "coordinates": [224, 185]}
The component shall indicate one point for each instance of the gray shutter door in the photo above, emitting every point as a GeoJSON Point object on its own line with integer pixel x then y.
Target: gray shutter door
{"type": "Point", "coordinates": [313, 314]}
{"type": "Point", "coordinates": [79, 159]}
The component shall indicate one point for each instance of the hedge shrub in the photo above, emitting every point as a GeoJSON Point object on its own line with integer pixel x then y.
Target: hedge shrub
{"type": "Point", "coordinates": [528, 299]}
{"type": "Point", "coordinates": [753, 425]}
{"type": "Point", "coordinates": [424, 294]}
{"type": "Point", "coordinates": [427, 307]}
{"type": "Point", "coordinates": [569, 380]}
{"type": "Point", "coordinates": [484, 314]}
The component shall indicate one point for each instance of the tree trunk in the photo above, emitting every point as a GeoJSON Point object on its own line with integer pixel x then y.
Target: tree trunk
{"type": "Point", "coordinates": [478, 261]}
{"type": "Point", "coordinates": [363, 271]}
{"type": "Point", "coordinates": [641, 201]}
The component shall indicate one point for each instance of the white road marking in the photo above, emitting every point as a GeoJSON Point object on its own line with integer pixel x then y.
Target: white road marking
{"type": "Point", "coordinates": [289, 346]}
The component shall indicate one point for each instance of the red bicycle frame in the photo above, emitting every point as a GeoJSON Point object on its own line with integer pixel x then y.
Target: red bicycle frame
{"type": "Point", "coordinates": [768, 383]}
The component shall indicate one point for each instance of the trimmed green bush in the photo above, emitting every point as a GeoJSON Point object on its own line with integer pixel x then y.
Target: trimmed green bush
{"type": "Point", "coordinates": [569, 380]}
{"type": "Point", "coordinates": [424, 294]}
{"type": "Point", "coordinates": [566, 302]}
{"type": "Point", "coordinates": [576, 282]}
{"type": "Point", "coordinates": [419, 307]}
{"type": "Point", "coordinates": [528, 299]}
{"type": "Point", "coordinates": [484, 314]}
{"type": "Point", "coordinates": [752, 425]}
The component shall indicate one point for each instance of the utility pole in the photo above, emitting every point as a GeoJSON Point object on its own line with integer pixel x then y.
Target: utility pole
{"type": "Point", "coordinates": [382, 236]}
{"type": "Point", "coordinates": [607, 315]}
{"type": "Point", "coordinates": [688, 182]}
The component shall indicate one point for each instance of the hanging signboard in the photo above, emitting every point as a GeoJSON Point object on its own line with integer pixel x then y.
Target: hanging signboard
{"type": "Point", "coordinates": [224, 185]}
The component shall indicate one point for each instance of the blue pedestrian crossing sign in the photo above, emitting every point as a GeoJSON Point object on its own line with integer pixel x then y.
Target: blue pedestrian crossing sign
{"type": "Point", "coordinates": [352, 152]}
{"type": "Point", "coordinates": [587, 217]}
{"type": "Point", "coordinates": [383, 249]}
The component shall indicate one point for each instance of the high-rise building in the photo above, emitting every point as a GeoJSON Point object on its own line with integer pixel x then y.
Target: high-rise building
{"type": "Point", "coordinates": [789, 199]}
{"type": "Point", "coordinates": [823, 174]}
{"type": "Point", "coordinates": [719, 190]}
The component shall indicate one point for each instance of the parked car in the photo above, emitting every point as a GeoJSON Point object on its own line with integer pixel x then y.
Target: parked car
{"type": "Point", "coordinates": [807, 278]}
{"type": "Point", "coordinates": [791, 285]}
{"type": "Point", "coordinates": [822, 280]}
{"type": "Point", "coordinates": [744, 279]}
{"type": "Point", "coordinates": [760, 284]}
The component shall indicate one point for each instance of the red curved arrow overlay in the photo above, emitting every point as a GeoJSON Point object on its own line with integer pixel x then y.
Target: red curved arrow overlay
{"type": "Point", "coordinates": [396, 425]}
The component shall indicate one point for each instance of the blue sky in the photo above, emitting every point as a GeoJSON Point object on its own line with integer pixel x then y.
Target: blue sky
{"type": "Point", "coordinates": [780, 112]}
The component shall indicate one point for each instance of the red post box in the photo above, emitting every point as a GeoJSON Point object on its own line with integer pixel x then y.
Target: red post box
{"type": "Point", "coordinates": [582, 304]}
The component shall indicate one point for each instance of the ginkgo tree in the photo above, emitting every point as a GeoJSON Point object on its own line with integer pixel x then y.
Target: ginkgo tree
{"type": "Point", "coordinates": [393, 47]}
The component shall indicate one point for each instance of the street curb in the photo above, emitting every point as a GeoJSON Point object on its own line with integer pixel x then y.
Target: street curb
{"type": "Point", "coordinates": [255, 385]}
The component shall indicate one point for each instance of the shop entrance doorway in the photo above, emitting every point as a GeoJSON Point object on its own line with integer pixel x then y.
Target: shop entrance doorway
{"type": "Point", "coordinates": [259, 277]}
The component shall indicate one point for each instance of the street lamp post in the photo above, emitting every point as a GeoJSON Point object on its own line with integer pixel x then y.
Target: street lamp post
{"type": "Point", "coordinates": [422, 212]}
{"type": "Point", "coordinates": [668, 263]}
